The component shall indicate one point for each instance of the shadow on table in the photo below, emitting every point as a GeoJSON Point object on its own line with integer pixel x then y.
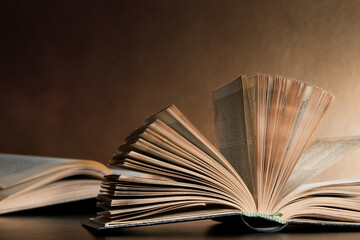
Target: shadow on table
{"type": "Point", "coordinates": [236, 229]}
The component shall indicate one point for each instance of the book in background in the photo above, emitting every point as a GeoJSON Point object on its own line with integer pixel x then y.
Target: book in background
{"type": "Point", "coordinates": [28, 182]}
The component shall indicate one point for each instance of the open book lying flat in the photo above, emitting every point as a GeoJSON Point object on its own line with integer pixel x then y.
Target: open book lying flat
{"type": "Point", "coordinates": [264, 125]}
{"type": "Point", "coordinates": [28, 182]}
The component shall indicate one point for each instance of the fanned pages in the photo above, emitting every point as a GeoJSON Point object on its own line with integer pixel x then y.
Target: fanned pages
{"type": "Point", "coordinates": [263, 125]}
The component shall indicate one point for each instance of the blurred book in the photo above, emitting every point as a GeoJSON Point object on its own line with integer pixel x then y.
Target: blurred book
{"type": "Point", "coordinates": [29, 182]}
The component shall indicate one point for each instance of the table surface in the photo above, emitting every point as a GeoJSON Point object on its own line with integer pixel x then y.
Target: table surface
{"type": "Point", "coordinates": [64, 222]}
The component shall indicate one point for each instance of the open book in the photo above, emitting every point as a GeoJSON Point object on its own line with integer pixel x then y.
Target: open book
{"type": "Point", "coordinates": [264, 125]}
{"type": "Point", "coordinates": [28, 182]}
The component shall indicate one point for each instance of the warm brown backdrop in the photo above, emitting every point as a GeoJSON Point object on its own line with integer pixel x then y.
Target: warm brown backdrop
{"type": "Point", "coordinates": [78, 76]}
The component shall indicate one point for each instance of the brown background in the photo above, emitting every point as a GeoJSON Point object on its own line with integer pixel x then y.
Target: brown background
{"type": "Point", "coordinates": [78, 76]}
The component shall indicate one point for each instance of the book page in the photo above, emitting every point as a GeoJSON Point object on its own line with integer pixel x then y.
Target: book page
{"type": "Point", "coordinates": [14, 168]}
{"type": "Point", "coordinates": [173, 118]}
{"type": "Point", "coordinates": [125, 199]}
{"type": "Point", "coordinates": [319, 155]}
{"type": "Point", "coordinates": [234, 138]}
{"type": "Point", "coordinates": [293, 143]}
{"type": "Point", "coordinates": [339, 182]}
{"type": "Point", "coordinates": [54, 193]}
{"type": "Point", "coordinates": [331, 201]}
{"type": "Point", "coordinates": [166, 117]}
{"type": "Point", "coordinates": [18, 169]}
{"type": "Point", "coordinates": [55, 174]}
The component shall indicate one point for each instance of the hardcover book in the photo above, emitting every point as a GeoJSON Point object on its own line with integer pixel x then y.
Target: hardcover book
{"type": "Point", "coordinates": [257, 174]}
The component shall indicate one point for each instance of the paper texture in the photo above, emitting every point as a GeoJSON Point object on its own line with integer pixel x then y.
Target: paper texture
{"type": "Point", "coordinates": [319, 155]}
{"type": "Point", "coordinates": [234, 138]}
{"type": "Point", "coordinates": [14, 168]}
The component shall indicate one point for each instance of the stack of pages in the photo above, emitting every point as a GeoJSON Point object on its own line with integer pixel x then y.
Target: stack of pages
{"type": "Point", "coordinates": [264, 125]}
